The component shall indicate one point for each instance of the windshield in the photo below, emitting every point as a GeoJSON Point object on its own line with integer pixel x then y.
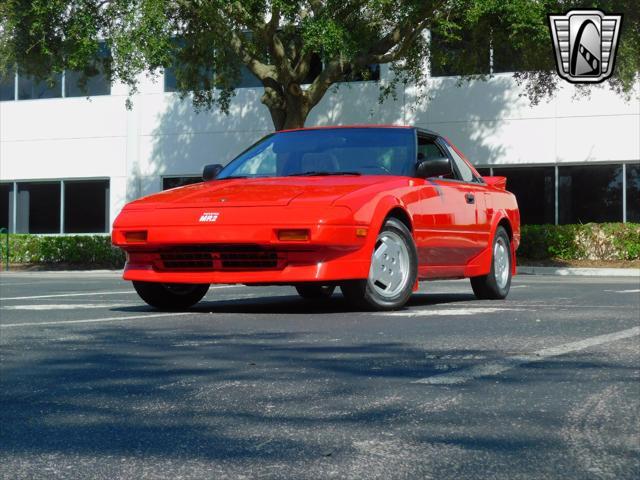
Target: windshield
{"type": "Point", "coordinates": [333, 151]}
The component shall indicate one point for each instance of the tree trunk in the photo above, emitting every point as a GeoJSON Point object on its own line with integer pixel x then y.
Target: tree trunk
{"type": "Point", "coordinates": [291, 112]}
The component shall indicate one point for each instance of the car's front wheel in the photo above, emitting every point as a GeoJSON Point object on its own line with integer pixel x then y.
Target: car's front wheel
{"type": "Point", "coordinates": [496, 284]}
{"type": "Point", "coordinates": [392, 274]}
{"type": "Point", "coordinates": [171, 296]}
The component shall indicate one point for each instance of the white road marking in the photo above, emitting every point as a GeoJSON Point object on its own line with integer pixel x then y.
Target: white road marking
{"type": "Point", "coordinates": [447, 311]}
{"type": "Point", "coordinates": [501, 366]}
{"type": "Point", "coordinates": [624, 291]}
{"type": "Point", "coordinates": [84, 294]}
{"type": "Point", "coordinates": [65, 306]}
{"type": "Point", "coordinates": [98, 320]}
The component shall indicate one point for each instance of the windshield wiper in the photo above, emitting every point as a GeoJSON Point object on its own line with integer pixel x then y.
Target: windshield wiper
{"type": "Point", "coordinates": [322, 174]}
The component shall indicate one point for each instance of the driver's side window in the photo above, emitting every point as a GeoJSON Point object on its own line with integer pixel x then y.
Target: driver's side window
{"type": "Point", "coordinates": [429, 150]}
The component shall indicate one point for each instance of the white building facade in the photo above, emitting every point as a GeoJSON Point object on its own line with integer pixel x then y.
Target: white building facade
{"type": "Point", "coordinates": [68, 163]}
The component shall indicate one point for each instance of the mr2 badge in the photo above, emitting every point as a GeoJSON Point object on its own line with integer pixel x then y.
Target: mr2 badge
{"type": "Point", "coordinates": [209, 217]}
{"type": "Point", "coordinates": [585, 43]}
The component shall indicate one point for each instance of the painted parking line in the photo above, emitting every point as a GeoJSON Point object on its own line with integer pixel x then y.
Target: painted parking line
{"type": "Point", "coordinates": [448, 311]}
{"type": "Point", "coordinates": [495, 368]}
{"type": "Point", "coordinates": [85, 294]}
{"type": "Point", "coordinates": [624, 291]}
{"type": "Point", "coordinates": [98, 320]}
{"type": "Point", "coordinates": [65, 306]}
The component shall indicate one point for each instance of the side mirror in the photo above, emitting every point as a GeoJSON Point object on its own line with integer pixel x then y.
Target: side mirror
{"type": "Point", "coordinates": [433, 167]}
{"type": "Point", "coordinates": [210, 172]}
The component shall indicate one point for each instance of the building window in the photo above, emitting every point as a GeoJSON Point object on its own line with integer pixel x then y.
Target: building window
{"type": "Point", "coordinates": [86, 206]}
{"type": "Point", "coordinates": [590, 194]}
{"type": "Point", "coordinates": [38, 207]}
{"type": "Point", "coordinates": [633, 193]}
{"type": "Point", "coordinates": [97, 82]}
{"type": "Point", "coordinates": [534, 188]}
{"type": "Point", "coordinates": [449, 56]}
{"type": "Point", "coordinates": [5, 204]}
{"type": "Point", "coordinates": [30, 88]}
{"type": "Point", "coordinates": [8, 86]}
{"type": "Point", "coordinates": [173, 182]}
{"type": "Point", "coordinates": [371, 73]}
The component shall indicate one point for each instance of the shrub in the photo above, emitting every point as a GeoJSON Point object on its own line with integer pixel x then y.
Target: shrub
{"type": "Point", "coordinates": [591, 241]}
{"type": "Point", "coordinates": [89, 251]}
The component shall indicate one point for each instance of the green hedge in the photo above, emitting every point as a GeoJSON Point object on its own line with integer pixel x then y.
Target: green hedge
{"type": "Point", "coordinates": [87, 251]}
{"type": "Point", "coordinates": [591, 241]}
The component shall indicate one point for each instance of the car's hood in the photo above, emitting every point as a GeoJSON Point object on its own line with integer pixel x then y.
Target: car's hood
{"type": "Point", "coordinates": [263, 192]}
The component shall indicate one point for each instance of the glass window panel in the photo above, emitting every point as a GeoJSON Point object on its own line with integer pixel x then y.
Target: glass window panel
{"type": "Point", "coordinates": [38, 207]}
{"type": "Point", "coordinates": [97, 82]}
{"type": "Point", "coordinates": [248, 79]}
{"type": "Point", "coordinates": [170, 81]}
{"type": "Point", "coordinates": [173, 182]}
{"type": "Point", "coordinates": [633, 193]}
{"type": "Point", "coordinates": [5, 204]}
{"type": "Point", "coordinates": [30, 89]}
{"type": "Point", "coordinates": [86, 206]}
{"type": "Point", "coordinates": [315, 68]}
{"type": "Point", "coordinates": [466, 174]}
{"type": "Point", "coordinates": [590, 193]}
{"type": "Point", "coordinates": [468, 55]}
{"type": "Point", "coordinates": [7, 86]}
{"type": "Point", "coordinates": [370, 74]}
{"type": "Point", "coordinates": [534, 189]}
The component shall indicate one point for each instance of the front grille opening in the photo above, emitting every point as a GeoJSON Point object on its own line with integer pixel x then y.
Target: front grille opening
{"type": "Point", "coordinates": [227, 257]}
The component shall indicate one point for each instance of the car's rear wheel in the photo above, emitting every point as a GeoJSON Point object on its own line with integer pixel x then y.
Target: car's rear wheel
{"type": "Point", "coordinates": [392, 274]}
{"type": "Point", "coordinates": [171, 296]}
{"type": "Point", "coordinates": [313, 291]}
{"type": "Point", "coordinates": [496, 284]}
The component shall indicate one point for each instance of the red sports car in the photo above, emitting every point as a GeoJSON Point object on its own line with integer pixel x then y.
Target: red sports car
{"type": "Point", "coordinates": [370, 209]}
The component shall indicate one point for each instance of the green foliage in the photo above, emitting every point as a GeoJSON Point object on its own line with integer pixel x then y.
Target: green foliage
{"type": "Point", "coordinates": [591, 241]}
{"type": "Point", "coordinates": [87, 251]}
{"type": "Point", "coordinates": [208, 42]}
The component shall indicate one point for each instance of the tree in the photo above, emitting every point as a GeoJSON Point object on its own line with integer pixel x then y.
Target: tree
{"type": "Point", "coordinates": [208, 42]}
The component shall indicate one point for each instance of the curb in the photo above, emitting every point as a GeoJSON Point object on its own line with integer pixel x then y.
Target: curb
{"type": "Point", "coordinates": [580, 272]}
{"type": "Point", "coordinates": [55, 273]}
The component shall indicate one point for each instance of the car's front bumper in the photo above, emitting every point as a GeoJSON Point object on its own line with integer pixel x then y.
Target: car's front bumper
{"type": "Point", "coordinates": [249, 254]}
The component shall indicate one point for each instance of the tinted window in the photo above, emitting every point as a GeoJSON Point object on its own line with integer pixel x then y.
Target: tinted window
{"type": "Point", "coordinates": [86, 206]}
{"type": "Point", "coordinates": [96, 83]}
{"type": "Point", "coordinates": [590, 194]}
{"type": "Point", "coordinates": [633, 193]}
{"type": "Point", "coordinates": [5, 204]}
{"type": "Point", "coordinates": [7, 86]}
{"type": "Point", "coordinates": [38, 207]}
{"type": "Point", "coordinates": [30, 89]}
{"type": "Point", "coordinates": [534, 188]}
{"type": "Point", "coordinates": [368, 151]}
{"type": "Point", "coordinates": [468, 54]}
{"type": "Point", "coordinates": [173, 182]}
{"type": "Point", "coordinates": [248, 79]}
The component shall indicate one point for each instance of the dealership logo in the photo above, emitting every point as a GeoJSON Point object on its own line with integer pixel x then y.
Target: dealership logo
{"type": "Point", "coordinates": [209, 217]}
{"type": "Point", "coordinates": [585, 43]}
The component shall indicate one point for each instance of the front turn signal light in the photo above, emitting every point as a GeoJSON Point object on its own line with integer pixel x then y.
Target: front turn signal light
{"type": "Point", "coordinates": [137, 236]}
{"type": "Point", "coordinates": [361, 232]}
{"type": "Point", "coordinates": [293, 235]}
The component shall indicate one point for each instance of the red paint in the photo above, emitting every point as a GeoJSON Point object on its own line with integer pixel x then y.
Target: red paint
{"type": "Point", "coordinates": [238, 233]}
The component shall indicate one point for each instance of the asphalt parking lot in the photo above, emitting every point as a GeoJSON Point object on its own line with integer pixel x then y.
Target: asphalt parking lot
{"type": "Point", "coordinates": [257, 383]}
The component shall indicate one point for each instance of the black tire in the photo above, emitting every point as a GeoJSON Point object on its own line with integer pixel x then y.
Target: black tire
{"type": "Point", "coordinates": [171, 296]}
{"type": "Point", "coordinates": [363, 294]}
{"type": "Point", "coordinates": [314, 291]}
{"type": "Point", "coordinates": [490, 287]}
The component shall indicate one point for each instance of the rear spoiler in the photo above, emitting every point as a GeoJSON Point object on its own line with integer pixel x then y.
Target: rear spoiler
{"type": "Point", "coordinates": [496, 182]}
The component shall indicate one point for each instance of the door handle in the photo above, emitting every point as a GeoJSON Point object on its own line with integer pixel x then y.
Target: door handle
{"type": "Point", "coordinates": [470, 197]}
